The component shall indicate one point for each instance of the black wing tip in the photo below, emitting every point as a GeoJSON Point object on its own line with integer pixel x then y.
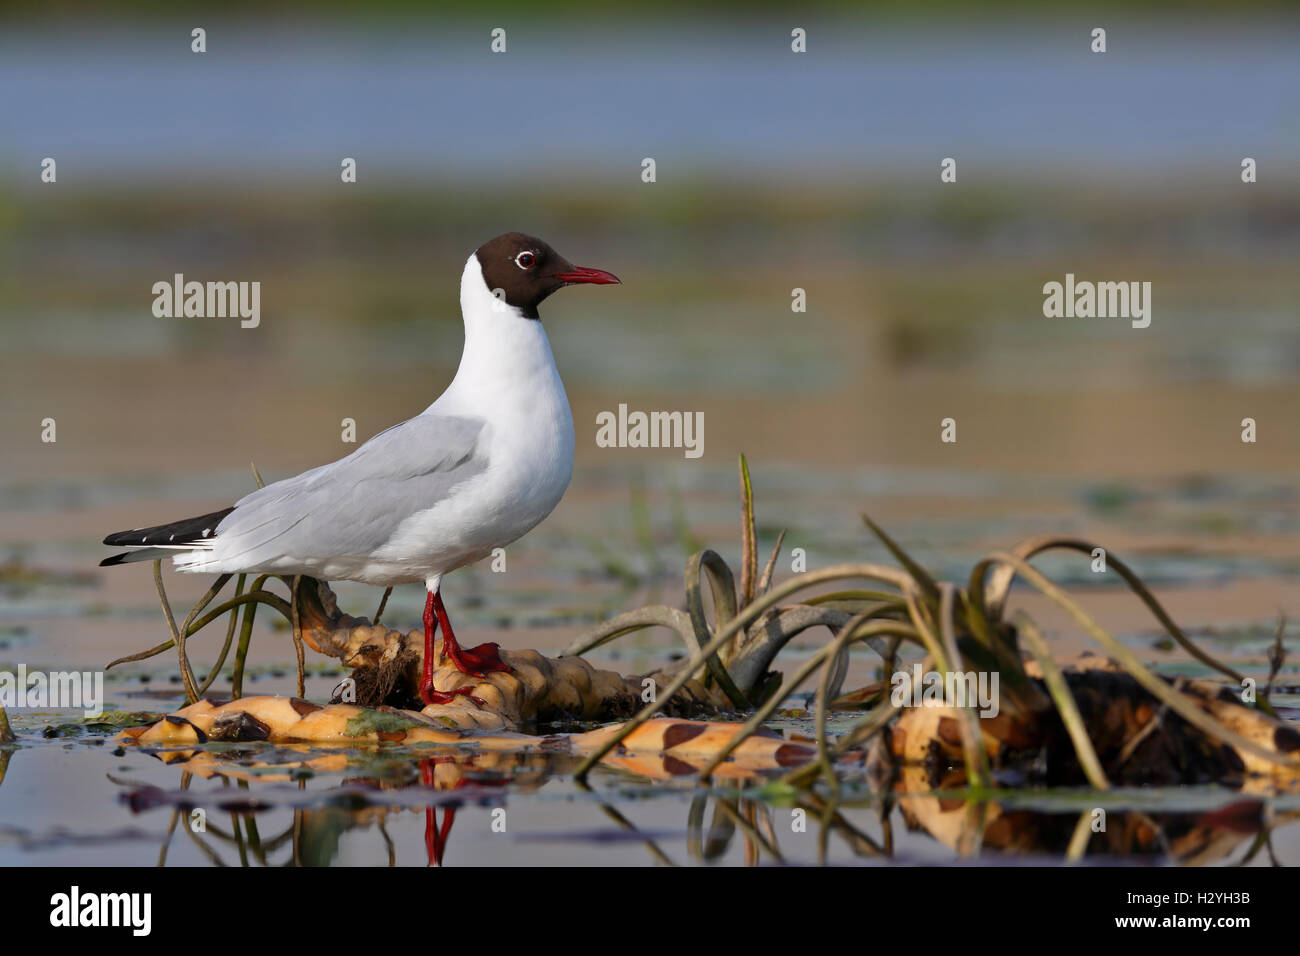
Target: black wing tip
{"type": "Point", "coordinates": [185, 531]}
{"type": "Point", "coordinates": [115, 559]}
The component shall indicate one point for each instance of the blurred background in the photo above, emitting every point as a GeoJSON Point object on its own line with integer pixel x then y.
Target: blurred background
{"type": "Point", "coordinates": [775, 170]}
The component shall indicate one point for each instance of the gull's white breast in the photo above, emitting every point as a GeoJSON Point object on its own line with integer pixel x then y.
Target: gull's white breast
{"type": "Point", "coordinates": [507, 376]}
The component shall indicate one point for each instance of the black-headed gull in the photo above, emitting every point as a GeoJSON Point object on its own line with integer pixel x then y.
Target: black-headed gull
{"type": "Point", "coordinates": [476, 470]}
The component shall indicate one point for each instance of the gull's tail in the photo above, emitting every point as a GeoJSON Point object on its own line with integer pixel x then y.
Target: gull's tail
{"type": "Point", "coordinates": [148, 544]}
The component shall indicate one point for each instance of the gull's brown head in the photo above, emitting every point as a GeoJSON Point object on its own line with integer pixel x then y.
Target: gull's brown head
{"type": "Point", "coordinates": [524, 270]}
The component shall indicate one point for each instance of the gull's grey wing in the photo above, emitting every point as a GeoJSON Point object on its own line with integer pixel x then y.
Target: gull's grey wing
{"type": "Point", "coordinates": [352, 506]}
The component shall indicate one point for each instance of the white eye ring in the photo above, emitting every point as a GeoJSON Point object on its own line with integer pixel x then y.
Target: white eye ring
{"type": "Point", "coordinates": [532, 259]}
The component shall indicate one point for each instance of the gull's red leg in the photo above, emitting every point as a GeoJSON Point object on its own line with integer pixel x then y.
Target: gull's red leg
{"type": "Point", "coordinates": [479, 661]}
{"type": "Point", "coordinates": [429, 695]}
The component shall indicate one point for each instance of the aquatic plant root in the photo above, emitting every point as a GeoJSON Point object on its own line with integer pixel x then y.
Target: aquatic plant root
{"type": "Point", "coordinates": [1136, 740]}
{"type": "Point", "coordinates": [388, 669]}
{"type": "Point", "coordinates": [291, 719]}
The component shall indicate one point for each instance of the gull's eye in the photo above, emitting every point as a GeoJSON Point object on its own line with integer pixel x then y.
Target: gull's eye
{"type": "Point", "coordinates": [525, 260]}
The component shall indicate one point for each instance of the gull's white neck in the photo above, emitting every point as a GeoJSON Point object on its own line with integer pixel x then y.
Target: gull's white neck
{"type": "Point", "coordinates": [507, 358]}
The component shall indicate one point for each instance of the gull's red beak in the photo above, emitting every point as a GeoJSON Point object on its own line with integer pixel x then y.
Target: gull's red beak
{"type": "Point", "coordinates": [579, 275]}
